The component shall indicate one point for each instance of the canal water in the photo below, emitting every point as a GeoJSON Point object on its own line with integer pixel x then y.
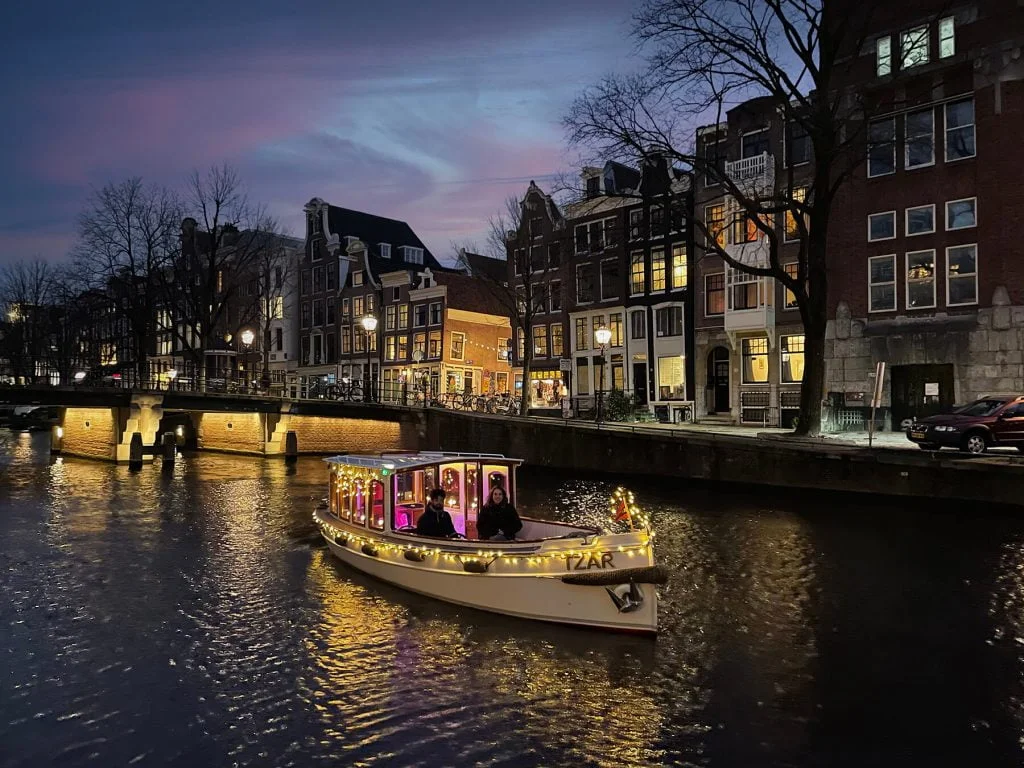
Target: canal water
{"type": "Point", "coordinates": [192, 618]}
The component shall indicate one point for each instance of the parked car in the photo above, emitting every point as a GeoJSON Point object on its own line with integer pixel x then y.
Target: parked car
{"type": "Point", "coordinates": [991, 422]}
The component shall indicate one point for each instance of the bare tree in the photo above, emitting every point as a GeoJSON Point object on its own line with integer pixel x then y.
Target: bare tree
{"type": "Point", "coordinates": [72, 318]}
{"type": "Point", "coordinates": [521, 288]}
{"type": "Point", "coordinates": [208, 290]}
{"type": "Point", "coordinates": [128, 238]}
{"type": "Point", "coordinates": [274, 283]}
{"type": "Point", "coordinates": [704, 56]}
{"type": "Point", "coordinates": [25, 293]}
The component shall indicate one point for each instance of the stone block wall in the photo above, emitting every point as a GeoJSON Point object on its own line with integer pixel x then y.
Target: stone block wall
{"type": "Point", "coordinates": [325, 434]}
{"type": "Point", "coordinates": [230, 432]}
{"type": "Point", "coordinates": [90, 432]}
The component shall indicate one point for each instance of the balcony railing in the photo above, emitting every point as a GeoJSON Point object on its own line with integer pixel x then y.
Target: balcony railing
{"type": "Point", "coordinates": [753, 175]}
{"type": "Point", "coordinates": [750, 305]}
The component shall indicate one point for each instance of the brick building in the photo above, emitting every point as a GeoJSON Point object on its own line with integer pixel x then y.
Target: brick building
{"type": "Point", "coordinates": [442, 334]}
{"type": "Point", "coordinates": [345, 254]}
{"type": "Point", "coordinates": [923, 273]}
{"type": "Point", "coordinates": [617, 259]}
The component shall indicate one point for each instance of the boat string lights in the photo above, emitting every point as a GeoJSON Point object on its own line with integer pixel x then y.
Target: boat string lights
{"type": "Point", "coordinates": [623, 507]}
{"type": "Point", "coordinates": [479, 556]}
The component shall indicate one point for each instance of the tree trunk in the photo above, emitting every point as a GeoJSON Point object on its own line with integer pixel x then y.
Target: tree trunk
{"type": "Point", "coordinates": [524, 405]}
{"type": "Point", "coordinates": [814, 315]}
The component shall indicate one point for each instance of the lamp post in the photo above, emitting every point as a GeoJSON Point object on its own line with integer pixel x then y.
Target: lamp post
{"type": "Point", "coordinates": [602, 335]}
{"type": "Point", "coordinates": [172, 374]}
{"type": "Point", "coordinates": [369, 323]}
{"type": "Point", "coordinates": [247, 337]}
{"type": "Point", "coordinates": [417, 358]}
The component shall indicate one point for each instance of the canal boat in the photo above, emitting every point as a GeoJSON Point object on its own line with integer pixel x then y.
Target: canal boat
{"type": "Point", "coordinates": [555, 572]}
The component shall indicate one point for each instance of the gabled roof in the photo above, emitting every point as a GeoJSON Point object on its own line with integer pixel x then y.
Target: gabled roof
{"type": "Point", "coordinates": [471, 293]}
{"type": "Point", "coordinates": [480, 265]}
{"type": "Point", "coordinates": [624, 178]}
{"type": "Point", "coordinates": [374, 230]}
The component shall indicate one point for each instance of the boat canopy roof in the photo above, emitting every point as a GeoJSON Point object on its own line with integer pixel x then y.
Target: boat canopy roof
{"type": "Point", "coordinates": [399, 462]}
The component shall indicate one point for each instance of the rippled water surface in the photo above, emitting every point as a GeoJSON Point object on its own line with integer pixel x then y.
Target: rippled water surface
{"type": "Point", "coordinates": [192, 618]}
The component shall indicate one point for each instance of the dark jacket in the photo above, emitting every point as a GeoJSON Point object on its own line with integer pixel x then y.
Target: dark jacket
{"type": "Point", "coordinates": [498, 517]}
{"type": "Point", "coordinates": [435, 523]}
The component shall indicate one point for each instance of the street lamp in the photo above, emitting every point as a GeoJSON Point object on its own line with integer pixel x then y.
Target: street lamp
{"type": "Point", "coordinates": [248, 337]}
{"type": "Point", "coordinates": [602, 335]}
{"type": "Point", "coordinates": [369, 323]}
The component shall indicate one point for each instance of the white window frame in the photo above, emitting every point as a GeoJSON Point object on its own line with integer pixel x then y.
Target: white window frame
{"type": "Point", "coordinates": [755, 132]}
{"type": "Point", "coordinates": [385, 250]}
{"type": "Point", "coordinates": [643, 262]}
{"type": "Point", "coordinates": [973, 200]}
{"type": "Point", "coordinates": [552, 293]}
{"type": "Point", "coordinates": [357, 278]}
{"type": "Point", "coordinates": [947, 32]}
{"type": "Point", "coordinates": [892, 215]}
{"type": "Point", "coordinates": [883, 56]}
{"type": "Point", "coordinates": [963, 303]}
{"type": "Point", "coordinates": [894, 282]}
{"type": "Point", "coordinates": [906, 279]}
{"type": "Point", "coordinates": [946, 129]}
{"type": "Point", "coordinates": [906, 140]}
{"type": "Point", "coordinates": [906, 220]}
{"type": "Point", "coordinates": [577, 284]}
{"type": "Point", "coordinates": [451, 347]}
{"type": "Point", "coordinates": [914, 37]}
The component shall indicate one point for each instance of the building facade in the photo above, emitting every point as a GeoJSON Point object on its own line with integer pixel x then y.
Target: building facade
{"type": "Point", "coordinates": [925, 269]}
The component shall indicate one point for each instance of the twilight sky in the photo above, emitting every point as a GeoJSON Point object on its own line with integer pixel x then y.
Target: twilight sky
{"type": "Point", "coordinates": [430, 111]}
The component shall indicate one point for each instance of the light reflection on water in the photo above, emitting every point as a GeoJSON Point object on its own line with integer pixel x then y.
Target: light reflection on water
{"type": "Point", "coordinates": [191, 617]}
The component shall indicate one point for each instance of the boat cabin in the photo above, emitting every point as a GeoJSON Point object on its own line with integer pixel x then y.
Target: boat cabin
{"type": "Point", "coordinates": [389, 492]}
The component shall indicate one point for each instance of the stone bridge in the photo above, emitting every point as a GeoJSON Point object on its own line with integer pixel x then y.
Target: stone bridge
{"type": "Point", "coordinates": [103, 423]}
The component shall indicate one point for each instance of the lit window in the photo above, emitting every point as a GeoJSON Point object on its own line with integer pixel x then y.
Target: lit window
{"type": "Point", "coordinates": [920, 138]}
{"type": "Point", "coordinates": [671, 377]}
{"type": "Point", "coordinates": [914, 47]}
{"type": "Point", "coordinates": [962, 214]}
{"type": "Point", "coordinates": [792, 228]}
{"type": "Point", "coordinates": [882, 283]}
{"type": "Point", "coordinates": [947, 37]}
{"type": "Point", "coordinates": [556, 340]}
{"type": "Point", "coordinates": [458, 345]}
{"type": "Point", "coordinates": [581, 333]}
{"type": "Point", "coordinates": [920, 220]}
{"type": "Point", "coordinates": [357, 278]}
{"type": "Point", "coordinates": [882, 147]}
{"type": "Point", "coordinates": [883, 56]}
{"type": "Point", "coordinates": [792, 348]}
{"type": "Point", "coordinates": [962, 275]}
{"type": "Point", "coordinates": [714, 294]}
{"type": "Point", "coordinates": [960, 130]}
{"type": "Point", "coordinates": [679, 275]}
{"type": "Point", "coordinates": [793, 270]}
{"type": "Point", "coordinates": [403, 315]}
{"type": "Point", "coordinates": [714, 221]}
{"type": "Point", "coordinates": [657, 269]}
{"type": "Point", "coordinates": [540, 341]}
{"type": "Point", "coordinates": [920, 279]}
{"type": "Point", "coordinates": [637, 273]}
{"type": "Point", "coordinates": [755, 361]}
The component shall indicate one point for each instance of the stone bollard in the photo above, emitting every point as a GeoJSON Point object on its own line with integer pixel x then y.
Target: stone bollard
{"type": "Point", "coordinates": [291, 447]}
{"type": "Point", "coordinates": [135, 451]}
{"type": "Point", "coordinates": [169, 447]}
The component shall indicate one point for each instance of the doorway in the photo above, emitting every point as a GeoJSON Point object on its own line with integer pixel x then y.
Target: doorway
{"type": "Point", "coordinates": [920, 390]}
{"type": "Point", "coordinates": [640, 383]}
{"type": "Point", "coordinates": [718, 381]}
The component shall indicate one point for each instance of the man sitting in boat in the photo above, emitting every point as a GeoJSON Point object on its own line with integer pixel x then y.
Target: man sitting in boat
{"type": "Point", "coordinates": [498, 520]}
{"type": "Point", "coordinates": [435, 520]}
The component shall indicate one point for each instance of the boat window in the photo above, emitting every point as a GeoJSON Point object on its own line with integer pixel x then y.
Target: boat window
{"type": "Point", "coordinates": [472, 498]}
{"type": "Point", "coordinates": [410, 498]}
{"type": "Point", "coordinates": [333, 493]}
{"type": "Point", "coordinates": [497, 475]}
{"type": "Point", "coordinates": [344, 499]}
{"type": "Point", "coordinates": [454, 500]}
{"type": "Point", "coordinates": [359, 495]}
{"type": "Point", "coordinates": [377, 505]}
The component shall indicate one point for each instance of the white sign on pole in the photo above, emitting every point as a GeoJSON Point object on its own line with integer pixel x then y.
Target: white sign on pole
{"type": "Point", "coordinates": [876, 398]}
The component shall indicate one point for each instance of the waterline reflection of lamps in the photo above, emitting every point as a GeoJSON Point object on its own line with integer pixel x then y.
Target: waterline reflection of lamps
{"type": "Point", "coordinates": [369, 323]}
{"type": "Point", "coordinates": [602, 335]}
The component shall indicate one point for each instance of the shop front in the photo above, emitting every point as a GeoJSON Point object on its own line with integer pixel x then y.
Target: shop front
{"type": "Point", "coordinates": [546, 389]}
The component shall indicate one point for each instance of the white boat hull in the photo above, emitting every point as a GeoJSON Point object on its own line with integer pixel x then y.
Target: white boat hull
{"type": "Point", "coordinates": [542, 598]}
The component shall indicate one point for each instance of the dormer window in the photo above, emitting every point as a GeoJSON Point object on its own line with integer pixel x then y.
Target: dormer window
{"type": "Point", "coordinates": [914, 47]}
{"type": "Point", "coordinates": [412, 255]}
{"type": "Point", "coordinates": [593, 186]}
{"type": "Point", "coordinates": [385, 250]}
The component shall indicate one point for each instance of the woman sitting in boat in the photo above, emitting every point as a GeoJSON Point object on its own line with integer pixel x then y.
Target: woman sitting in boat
{"type": "Point", "coordinates": [498, 520]}
{"type": "Point", "coordinates": [435, 520]}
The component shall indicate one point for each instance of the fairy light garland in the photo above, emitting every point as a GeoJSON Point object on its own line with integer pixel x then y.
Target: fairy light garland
{"type": "Point", "coordinates": [622, 499]}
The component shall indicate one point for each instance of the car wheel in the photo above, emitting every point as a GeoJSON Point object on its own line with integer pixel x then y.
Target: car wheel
{"type": "Point", "coordinates": [928, 446]}
{"type": "Point", "coordinates": [975, 443]}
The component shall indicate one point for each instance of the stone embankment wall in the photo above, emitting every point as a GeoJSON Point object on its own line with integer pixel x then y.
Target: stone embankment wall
{"type": "Point", "coordinates": [733, 460]}
{"type": "Point", "coordinates": [91, 433]}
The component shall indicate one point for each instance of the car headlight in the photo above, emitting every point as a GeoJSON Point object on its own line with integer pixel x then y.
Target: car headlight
{"type": "Point", "coordinates": [945, 429]}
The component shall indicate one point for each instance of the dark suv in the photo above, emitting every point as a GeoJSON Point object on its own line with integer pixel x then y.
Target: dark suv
{"type": "Point", "coordinates": [987, 423]}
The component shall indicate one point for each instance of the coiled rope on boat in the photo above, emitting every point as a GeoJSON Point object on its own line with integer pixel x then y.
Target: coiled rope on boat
{"type": "Point", "coordinates": [651, 574]}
